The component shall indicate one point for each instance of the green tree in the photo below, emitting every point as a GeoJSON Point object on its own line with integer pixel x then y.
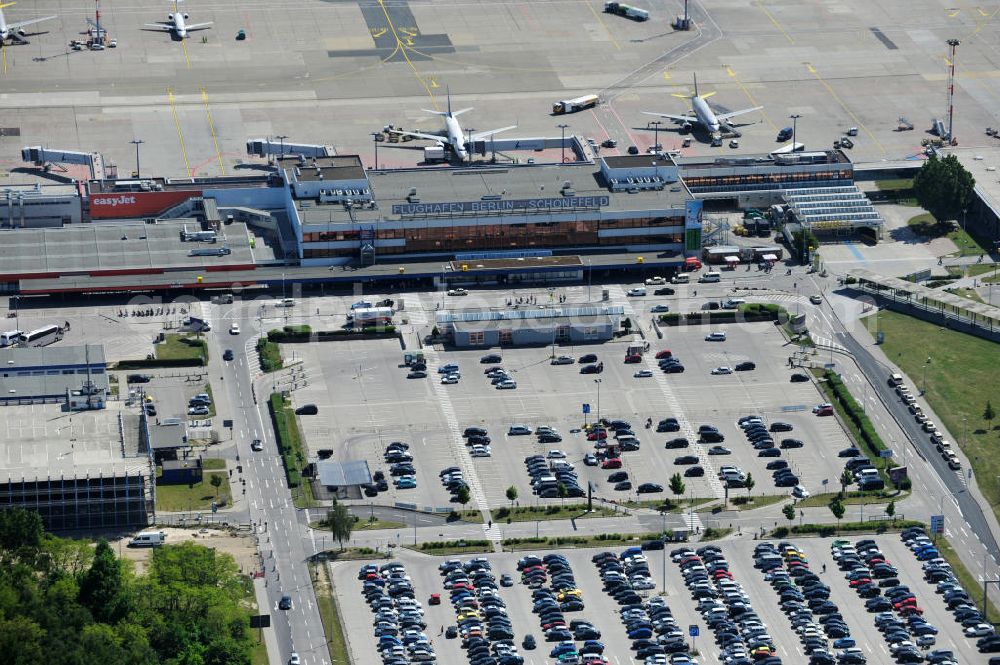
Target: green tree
{"type": "Point", "coordinates": [943, 187]}
{"type": "Point", "coordinates": [102, 587]}
{"type": "Point", "coordinates": [216, 482]}
{"type": "Point", "coordinates": [20, 529]}
{"type": "Point", "coordinates": [989, 414]}
{"type": "Point", "coordinates": [341, 523]}
{"type": "Point", "coordinates": [890, 509]}
{"type": "Point", "coordinates": [789, 512]}
{"type": "Point", "coordinates": [463, 496]}
{"type": "Point", "coordinates": [511, 495]}
{"type": "Point", "coordinates": [627, 325]}
{"type": "Point", "coordinates": [563, 490]}
{"type": "Point", "coordinates": [749, 484]}
{"type": "Point", "coordinates": [846, 478]}
{"type": "Point", "coordinates": [677, 484]}
{"type": "Point", "coordinates": [837, 508]}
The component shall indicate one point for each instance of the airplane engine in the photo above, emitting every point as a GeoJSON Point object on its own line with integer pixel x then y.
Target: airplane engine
{"type": "Point", "coordinates": [686, 128]}
{"type": "Point", "coordinates": [170, 17]}
{"type": "Point", "coordinates": [187, 16]}
{"type": "Point", "coordinates": [22, 32]}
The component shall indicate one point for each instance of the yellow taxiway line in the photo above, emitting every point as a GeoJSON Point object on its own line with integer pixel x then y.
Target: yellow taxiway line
{"type": "Point", "coordinates": [184, 47]}
{"type": "Point", "coordinates": [603, 24]}
{"type": "Point", "coordinates": [780, 27]}
{"type": "Point", "coordinates": [177, 124]}
{"type": "Point", "coordinates": [847, 109]}
{"type": "Point", "coordinates": [753, 100]}
{"type": "Point", "coordinates": [211, 127]}
{"type": "Point", "coordinates": [400, 46]}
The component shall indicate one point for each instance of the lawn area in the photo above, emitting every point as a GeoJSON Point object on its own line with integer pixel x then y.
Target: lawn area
{"type": "Point", "coordinates": [971, 270]}
{"type": "Point", "coordinates": [740, 502]}
{"type": "Point", "coordinates": [602, 540]}
{"type": "Point", "coordinates": [199, 496]}
{"type": "Point", "coordinates": [966, 293]}
{"type": "Point", "coordinates": [853, 499]}
{"type": "Point", "coordinates": [213, 463]}
{"type": "Point", "coordinates": [286, 428]}
{"type": "Point", "coordinates": [714, 533]}
{"type": "Point", "coordinates": [894, 183]}
{"type": "Point", "coordinates": [960, 381]}
{"type": "Point", "coordinates": [541, 513]}
{"type": "Point", "coordinates": [176, 346]}
{"type": "Point", "coordinates": [925, 225]}
{"type": "Point", "coordinates": [669, 505]}
{"type": "Point", "coordinates": [328, 612]}
{"type": "Point", "coordinates": [447, 547]}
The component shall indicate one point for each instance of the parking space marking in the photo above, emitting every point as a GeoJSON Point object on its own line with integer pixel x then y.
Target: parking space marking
{"type": "Point", "coordinates": [673, 404]}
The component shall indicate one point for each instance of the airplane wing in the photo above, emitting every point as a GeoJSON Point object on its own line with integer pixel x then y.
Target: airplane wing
{"type": "Point", "coordinates": [17, 25]}
{"type": "Point", "coordinates": [166, 27]}
{"type": "Point", "coordinates": [479, 136]}
{"type": "Point", "coordinates": [732, 114]}
{"type": "Point", "coordinates": [199, 26]}
{"type": "Point", "coordinates": [675, 118]}
{"type": "Point", "coordinates": [428, 137]}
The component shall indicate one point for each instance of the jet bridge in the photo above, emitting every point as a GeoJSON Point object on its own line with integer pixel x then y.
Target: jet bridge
{"type": "Point", "coordinates": [268, 147]}
{"type": "Point", "coordinates": [49, 158]}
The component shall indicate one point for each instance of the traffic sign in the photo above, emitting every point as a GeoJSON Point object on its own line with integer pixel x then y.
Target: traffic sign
{"type": "Point", "coordinates": [937, 523]}
{"type": "Point", "coordinates": [885, 453]}
{"type": "Point", "coordinates": [586, 408]}
{"type": "Point", "coordinates": [693, 630]}
{"type": "Point", "coordinates": [826, 481]}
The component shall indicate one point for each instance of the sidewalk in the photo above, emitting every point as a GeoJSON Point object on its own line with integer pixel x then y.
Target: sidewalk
{"type": "Point", "coordinates": [263, 607]}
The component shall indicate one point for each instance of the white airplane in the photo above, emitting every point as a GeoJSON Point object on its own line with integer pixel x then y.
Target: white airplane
{"type": "Point", "coordinates": [703, 113]}
{"type": "Point", "coordinates": [453, 136]}
{"type": "Point", "coordinates": [175, 23]}
{"type": "Point", "coordinates": [14, 32]}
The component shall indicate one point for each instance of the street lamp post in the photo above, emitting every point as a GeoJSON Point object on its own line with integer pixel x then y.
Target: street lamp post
{"type": "Point", "coordinates": [563, 144]}
{"type": "Point", "coordinates": [598, 382]}
{"type": "Point", "coordinates": [795, 117]}
{"type": "Point", "coordinates": [923, 379]}
{"type": "Point", "coordinates": [282, 144]}
{"type": "Point", "coordinates": [137, 143]}
{"type": "Point", "coordinates": [656, 134]}
{"type": "Point", "coordinates": [375, 140]}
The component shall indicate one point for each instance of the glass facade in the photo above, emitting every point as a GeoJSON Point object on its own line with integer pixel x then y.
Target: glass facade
{"type": "Point", "coordinates": [752, 181]}
{"type": "Point", "coordinates": [493, 237]}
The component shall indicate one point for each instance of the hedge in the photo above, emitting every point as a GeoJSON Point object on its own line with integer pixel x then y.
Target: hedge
{"type": "Point", "coordinates": [448, 544]}
{"type": "Point", "coordinates": [750, 313]}
{"type": "Point", "coordinates": [270, 355]}
{"type": "Point", "coordinates": [289, 441]}
{"type": "Point", "coordinates": [147, 363]}
{"type": "Point", "coordinates": [289, 336]}
{"type": "Point", "coordinates": [827, 530]}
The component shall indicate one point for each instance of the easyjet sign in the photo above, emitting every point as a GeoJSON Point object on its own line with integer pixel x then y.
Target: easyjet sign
{"type": "Point", "coordinates": [136, 204]}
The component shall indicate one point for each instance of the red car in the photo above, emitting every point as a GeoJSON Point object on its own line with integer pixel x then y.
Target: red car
{"type": "Point", "coordinates": [911, 609]}
{"type": "Point", "coordinates": [825, 411]}
{"type": "Point", "coordinates": [613, 463]}
{"type": "Point", "coordinates": [858, 582]}
{"type": "Point", "coordinates": [435, 599]}
{"type": "Point", "coordinates": [597, 435]}
{"type": "Point", "coordinates": [634, 358]}
{"type": "Point", "coordinates": [665, 353]}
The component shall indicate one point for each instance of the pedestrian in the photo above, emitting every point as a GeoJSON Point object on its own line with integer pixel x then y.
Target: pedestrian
{"type": "Point", "coordinates": [442, 631]}
{"type": "Point", "coordinates": [824, 567]}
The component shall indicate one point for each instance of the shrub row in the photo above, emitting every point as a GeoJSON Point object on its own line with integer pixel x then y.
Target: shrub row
{"type": "Point", "coordinates": [827, 530]}
{"type": "Point", "coordinates": [156, 362]}
{"type": "Point", "coordinates": [866, 431]}
{"type": "Point", "coordinates": [288, 336]}
{"type": "Point", "coordinates": [447, 544]}
{"type": "Point", "coordinates": [289, 442]}
{"type": "Point", "coordinates": [270, 355]}
{"type": "Point", "coordinates": [750, 312]}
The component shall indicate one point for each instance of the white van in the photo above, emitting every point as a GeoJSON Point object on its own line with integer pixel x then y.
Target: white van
{"type": "Point", "coordinates": [710, 277]}
{"type": "Point", "coordinates": [148, 539]}
{"type": "Point", "coordinates": [895, 379]}
{"type": "Point", "coordinates": [681, 278]}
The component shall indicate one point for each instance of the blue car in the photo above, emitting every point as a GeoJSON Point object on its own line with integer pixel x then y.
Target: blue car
{"type": "Point", "coordinates": [844, 643]}
{"type": "Point", "coordinates": [593, 646]}
{"type": "Point", "coordinates": [406, 483]}
{"type": "Point", "coordinates": [560, 649]}
{"type": "Point", "coordinates": [640, 633]}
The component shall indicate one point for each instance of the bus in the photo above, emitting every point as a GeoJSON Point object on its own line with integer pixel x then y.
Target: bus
{"type": "Point", "coordinates": [41, 337]}
{"type": "Point", "coordinates": [10, 337]}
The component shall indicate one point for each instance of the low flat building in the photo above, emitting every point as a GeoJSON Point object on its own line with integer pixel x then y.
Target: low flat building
{"type": "Point", "coordinates": [532, 326]}
{"type": "Point", "coordinates": [52, 374]}
{"type": "Point", "coordinates": [88, 470]}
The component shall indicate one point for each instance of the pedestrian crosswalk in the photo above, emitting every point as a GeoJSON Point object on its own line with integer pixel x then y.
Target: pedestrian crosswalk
{"type": "Point", "coordinates": [692, 521]}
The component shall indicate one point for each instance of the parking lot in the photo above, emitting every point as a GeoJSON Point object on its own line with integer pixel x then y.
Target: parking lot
{"type": "Point", "coordinates": [602, 611]}
{"type": "Point", "coordinates": [365, 402]}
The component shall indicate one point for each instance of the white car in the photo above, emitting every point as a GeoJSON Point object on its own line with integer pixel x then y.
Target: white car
{"type": "Point", "coordinates": [820, 407]}
{"type": "Point", "coordinates": [294, 659]}
{"type": "Point", "coordinates": [636, 292]}
{"type": "Point", "coordinates": [655, 309]}
{"type": "Point", "coordinates": [556, 454]}
{"type": "Point", "coordinates": [655, 281]}
{"type": "Point", "coordinates": [449, 379]}
{"type": "Point", "coordinates": [507, 385]}
{"type": "Point", "coordinates": [234, 329]}
{"type": "Point", "coordinates": [457, 292]}
{"type": "Point", "coordinates": [481, 451]}
{"type": "Point", "coordinates": [979, 630]}
{"type": "Point", "coordinates": [722, 370]}
{"type": "Point", "coordinates": [716, 337]}
{"type": "Point", "coordinates": [643, 374]}
{"type": "Point", "coordinates": [562, 360]}
{"type": "Point", "coordinates": [800, 492]}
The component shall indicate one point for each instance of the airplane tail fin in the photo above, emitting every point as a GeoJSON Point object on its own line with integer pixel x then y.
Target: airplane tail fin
{"type": "Point", "coordinates": [696, 84]}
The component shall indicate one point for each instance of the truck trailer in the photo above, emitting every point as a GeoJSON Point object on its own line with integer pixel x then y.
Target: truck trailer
{"type": "Point", "coordinates": [574, 105]}
{"type": "Point", "coordinates": [628, 11]}
{"type": "Point", "coordinates": [370, 316]}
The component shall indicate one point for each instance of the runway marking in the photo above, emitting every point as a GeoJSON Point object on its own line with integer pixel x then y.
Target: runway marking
{"type": "Point", "coordinates": [603, 24]}
{"type": "Point", "coordinates": [843, 105]}
{"type": "Point", "coordinates": [185, 49]}
{"type": "Point", "coordinates": [211, 127]}
{"type": "Point", "coordinates": [177, 124]}
{"type": "Point", "coordinates": [769, 15]}
{"type": "Point", "coordinates": [753, 100]}
{"type": "Point", "coordinates": [406, 56]}
{"type": "Point", "coordinates": [4, 59]}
